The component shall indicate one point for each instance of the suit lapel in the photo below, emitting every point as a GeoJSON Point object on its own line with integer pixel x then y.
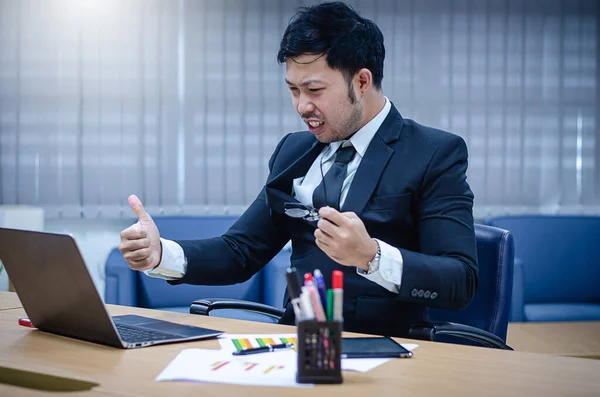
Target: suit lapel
{"type": "Point", "coordinates": [283, 180]}
{"type": "Point", "coordinates": [279, 188]}
{"type": "Point", "coordinates": [373, 163]}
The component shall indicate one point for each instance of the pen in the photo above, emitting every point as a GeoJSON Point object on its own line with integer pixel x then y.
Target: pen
{"type": "Point", "coordinates": [330, 304]}
{"type": "Point", "coordinates": [338, 295]}
{"type": "Point", "coordinates": [294, 292]}
{"type": "Point", "coordinates": [316, 303]}
{"type": "Point", "coordinates": [320, 284]}
{"type": "Point", "coordinates": [306, 304]}
{"type": "Point", "coordinates": [263, 349]}
{"type": "Point", "coordinates": [25, 322]}
{"type": "Point", "coordinates": [308, 279]}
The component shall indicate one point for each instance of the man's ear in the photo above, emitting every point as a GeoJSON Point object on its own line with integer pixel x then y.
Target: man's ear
{"type": "Point", "coordinates": [364, 79]}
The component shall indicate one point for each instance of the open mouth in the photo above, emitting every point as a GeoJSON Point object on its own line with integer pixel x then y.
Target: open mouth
{"type": "Point", "coordinates": [315, 127]}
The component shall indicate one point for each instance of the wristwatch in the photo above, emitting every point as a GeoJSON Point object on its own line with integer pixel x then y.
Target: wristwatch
{"type": "Point", "coordinates": [374, 263]}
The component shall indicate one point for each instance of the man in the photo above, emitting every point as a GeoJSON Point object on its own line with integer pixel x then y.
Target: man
{"type": "Point", "coordinates": [395, 205]}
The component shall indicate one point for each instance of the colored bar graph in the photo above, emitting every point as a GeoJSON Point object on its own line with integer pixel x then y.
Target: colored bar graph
{"type": "Point", "coordinates": [272, 367]}
{"type": "Point", "coordinates": [237, 344]}
{"type": "Point", "coordinates": [249, 366]}
{"type": "Point", "coordinates": [218, 365]}
{"type": "Point", "coordinates": [248, 343]}
{"type": "Point", "coordinates": [245, 343]}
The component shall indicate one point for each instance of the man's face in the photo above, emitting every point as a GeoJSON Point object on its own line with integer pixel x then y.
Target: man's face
{"type": "Point", "coordinates": [323, 98]}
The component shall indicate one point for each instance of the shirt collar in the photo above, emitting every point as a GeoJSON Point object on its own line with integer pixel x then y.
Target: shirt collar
{"type": "Point", "coordinates": [361, 139]}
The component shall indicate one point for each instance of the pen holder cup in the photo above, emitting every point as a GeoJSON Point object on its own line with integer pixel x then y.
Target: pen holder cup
{"type": "Point", "coordinates": [319, 352]}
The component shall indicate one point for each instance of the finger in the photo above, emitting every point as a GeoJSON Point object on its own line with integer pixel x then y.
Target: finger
{"type": "Point", "coordinates": [133, 232]}
{"type": "Point", "coordinates": [138, 208]}
{"type": "Point", "coordinates": [134, 245]}
{"type": "Point", "coordinates": [137, 255]}
{"type": "Point", "coordinates": [327, 227]}
{"type": "Point", "coordinates": [322, 237]}
{"type": "Point", "coordinates": [332, 215]}
{"type": "Point", "coordinates": [140, 265]}
{"type": "Point", "coordinates": [324, 247]}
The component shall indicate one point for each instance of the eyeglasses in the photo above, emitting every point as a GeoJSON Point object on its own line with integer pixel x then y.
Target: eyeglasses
{"type": "Point", "coordinates": [301, 211]}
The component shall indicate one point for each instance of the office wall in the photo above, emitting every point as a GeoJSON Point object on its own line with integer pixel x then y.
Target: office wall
{"type": "Point", "coordinates": [183, 101]}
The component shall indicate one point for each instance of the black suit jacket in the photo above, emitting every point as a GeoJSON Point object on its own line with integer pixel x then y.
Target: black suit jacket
{"type": "Point", "coordinates": [410, 190]}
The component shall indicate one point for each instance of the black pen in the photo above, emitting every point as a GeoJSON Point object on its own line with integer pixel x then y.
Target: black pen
{"type": "Point", "coordinates": [263, 349]}
{"type": "Point", "coordinates": [293, 287]}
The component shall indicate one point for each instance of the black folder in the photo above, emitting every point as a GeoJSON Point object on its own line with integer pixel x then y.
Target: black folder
{"type": "Point", "coordinates": [373, 347]}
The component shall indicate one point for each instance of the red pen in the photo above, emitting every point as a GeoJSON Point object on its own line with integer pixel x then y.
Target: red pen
{"type": "Point", "coordinates": [25, 322]}
{"type": "Point", "coordinates": [338, 295]}
{"type": "Point", "coordinates": [308, 279]}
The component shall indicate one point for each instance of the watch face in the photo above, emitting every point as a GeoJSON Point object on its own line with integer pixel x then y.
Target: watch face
{"type": "Point", "coordinates": [374, 264]}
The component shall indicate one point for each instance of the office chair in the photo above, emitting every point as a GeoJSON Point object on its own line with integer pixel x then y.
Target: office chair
{"type": "Point", "coordinates": [483, 322]}
{"type": "Point", "coordinates": [559, 277]}
{"type": "Point", "coordinates": [127, 287]}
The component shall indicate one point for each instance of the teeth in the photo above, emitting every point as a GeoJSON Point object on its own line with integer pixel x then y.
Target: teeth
{"type": "Point", "coordinates": [315, 124]}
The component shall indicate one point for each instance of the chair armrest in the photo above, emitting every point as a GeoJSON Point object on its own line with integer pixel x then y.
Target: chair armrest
{"type": "Point", "coordinates": [429, 331]}
{"type": "Point", "coordinates": [517, 304]}
{"type": "Point", "coordinates": [205, 305]}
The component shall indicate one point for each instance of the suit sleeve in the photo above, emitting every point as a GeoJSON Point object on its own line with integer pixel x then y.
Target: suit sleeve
{"type": "Point", "coordinates": [242, 251]}
{"type": "Point", "coordinates": [446, 265]}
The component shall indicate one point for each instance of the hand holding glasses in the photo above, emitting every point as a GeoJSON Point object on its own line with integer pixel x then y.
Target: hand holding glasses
{"type": "Point", "coordinates": [309, 213]}
{"type": "Point", "coordinates": [301, 211]}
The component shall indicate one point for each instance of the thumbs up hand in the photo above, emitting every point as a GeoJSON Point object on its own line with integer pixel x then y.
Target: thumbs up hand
{"type": "Point", "coordinates": [140, 243]}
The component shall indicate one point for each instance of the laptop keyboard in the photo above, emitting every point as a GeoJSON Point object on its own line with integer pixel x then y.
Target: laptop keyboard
{"type": "Point", "coordinates": [134, 334]}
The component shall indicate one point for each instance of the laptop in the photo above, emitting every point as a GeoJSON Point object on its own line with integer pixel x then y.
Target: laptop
{"type": "Point", "coordinates": [59, 296]}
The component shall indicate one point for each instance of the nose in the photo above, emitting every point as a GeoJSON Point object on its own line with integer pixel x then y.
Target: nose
{"type": "Point", "coordinates": [305, 105]}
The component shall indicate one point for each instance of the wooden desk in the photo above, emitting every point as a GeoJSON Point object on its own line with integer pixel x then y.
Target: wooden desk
{"type": "Point", "coordinates": [9, 300]}
{"type": "Point", "coordinates": [576, 339]}
{"type": "Point", "coordinates": [436, 369]}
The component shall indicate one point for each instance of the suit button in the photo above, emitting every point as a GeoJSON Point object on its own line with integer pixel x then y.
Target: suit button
{"type": "Point", "coordinates": [434, 295]}
{"type": "Point", "coordinates": [427, 294]}
{"type": "Point", "coordinates": [421, 293]}
{"type": "Point", "coordinates": [414, 293]}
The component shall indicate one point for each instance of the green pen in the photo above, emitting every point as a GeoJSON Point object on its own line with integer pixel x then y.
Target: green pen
{"type": "Point", "coordinates": [329, 304]}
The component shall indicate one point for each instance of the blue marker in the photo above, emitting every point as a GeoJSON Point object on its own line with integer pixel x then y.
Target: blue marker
{"type": "Point", "coordinates": [321, 287]}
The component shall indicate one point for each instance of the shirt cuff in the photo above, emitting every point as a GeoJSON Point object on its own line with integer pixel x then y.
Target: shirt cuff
{"type": "Point", "coordinates": [173, 263]}
{"type": "Point", "coordinates": [391, 265]}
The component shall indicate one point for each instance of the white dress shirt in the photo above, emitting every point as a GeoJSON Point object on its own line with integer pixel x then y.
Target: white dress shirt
{"type": "Point", "coordinates": [173, 263]}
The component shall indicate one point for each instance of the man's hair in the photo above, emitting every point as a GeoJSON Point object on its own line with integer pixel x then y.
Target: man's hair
{"type": "Point", "coordinates": [348, 41]}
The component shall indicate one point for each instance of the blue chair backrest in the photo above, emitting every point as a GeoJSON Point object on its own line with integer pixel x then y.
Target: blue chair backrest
{"type": "Point", "coordinates": [560, 254]}
{"type": "Point", "coordinates": [156, 293]}
{"type": "Point", "coordinates": [490, 306]}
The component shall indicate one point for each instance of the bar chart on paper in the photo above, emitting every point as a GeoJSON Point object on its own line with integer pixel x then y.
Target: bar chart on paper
{"type": "Point", "coordinates": [247, 367]}
{"type": "Point", "coordinates": [249, 343]}
{"type": "Point", "coordinates": [200, 365]}
{"type": "Point", "coordinates": [234, 343]}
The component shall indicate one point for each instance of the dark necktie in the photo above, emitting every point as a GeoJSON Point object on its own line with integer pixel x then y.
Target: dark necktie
{"type": "Point", "coordinates": [330, 189]}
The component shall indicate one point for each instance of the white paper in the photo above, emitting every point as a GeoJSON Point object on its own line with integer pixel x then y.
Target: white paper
{"type": "Point", "coordinates": [200, 365]}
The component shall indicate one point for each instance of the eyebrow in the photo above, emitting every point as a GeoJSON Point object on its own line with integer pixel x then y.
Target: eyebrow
{"type": "Point", "coordinates": [306, 82]}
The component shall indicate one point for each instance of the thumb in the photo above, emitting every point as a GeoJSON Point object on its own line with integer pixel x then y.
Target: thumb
{"type": "Point", "coordinates": [138, 208]}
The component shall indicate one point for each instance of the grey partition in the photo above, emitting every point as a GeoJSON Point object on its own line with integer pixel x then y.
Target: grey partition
{"type": "Point", "coordinates": [183, 101]}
